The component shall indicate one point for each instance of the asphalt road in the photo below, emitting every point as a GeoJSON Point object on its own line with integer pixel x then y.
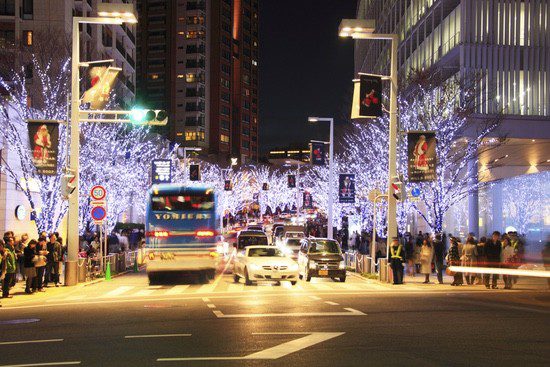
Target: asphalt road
{"type": "Point", "coordinates": [359, 323]}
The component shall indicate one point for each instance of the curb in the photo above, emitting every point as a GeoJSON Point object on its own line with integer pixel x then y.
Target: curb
{"type": "Point", "coordinates": [103, 279]}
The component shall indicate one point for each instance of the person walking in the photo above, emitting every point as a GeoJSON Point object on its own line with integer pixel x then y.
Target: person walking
{"type": "Point", "coordinates": [468, 258]}
{"type": "Point", "coordinates": [397, 256]}
{"type": "Point", "coordinates": [29, 259]}
{"type": "Point", "coordinates": [10, 269]}
{"type": "Point", "coordinates": [439, 256]}
{"type": "Point", "coordinates": [508, 259]}
{"type": "Point", "coordinates": [493, 249]}
{"type": "Point", "coordinates": [19, 250]}
{"type": "Point", "coordinates": [453, 258]}
{"type": "Point", "coordinates": [426, 257]}
{"type": "Point", "coordinates": [40, 264]}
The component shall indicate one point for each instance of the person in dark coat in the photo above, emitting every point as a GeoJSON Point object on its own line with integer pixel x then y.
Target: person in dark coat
{"type": "Point", "coordinates": [493, 249]}
{"type": "Point", "coordinates": [54, 258]}
{"type": "Point", "coordinates": [439, 257]}
{"type": "Point", "coordinates": [453, 258]}
{"type": "Point", "coordinates": [29, 254]}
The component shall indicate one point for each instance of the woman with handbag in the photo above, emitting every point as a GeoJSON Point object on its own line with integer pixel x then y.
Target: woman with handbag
{"type": "Point", "coordinates": [29, 259]}
{"type": "Point", "coordinates": [508, 259]}
{"type": "Point", "coordinates": [453, 258]}
{"type": "Point", "coordinates": [468, 258]}
{"type": "Point", "coordinates": [426, 256]}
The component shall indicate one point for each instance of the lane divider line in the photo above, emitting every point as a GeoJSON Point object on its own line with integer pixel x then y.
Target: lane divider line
{"type": "Point", "coordinates": [211, 305]}
{"type": "Point", "coordinates": [349, 312]}
{"type": "Point", "coordinates": [155, 336]}
{"type": "Point", "coordinates": [331, 303]}
{"type": "Point", "coordinates": [42, 364]}
{"type": "Point", "coordinates": [32, 341]}
{"type": "Point", "coordinates": [315, 298]}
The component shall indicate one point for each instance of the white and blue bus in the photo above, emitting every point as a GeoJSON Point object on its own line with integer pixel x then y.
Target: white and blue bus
{"type": "Point", "coordinates": [181, 229]}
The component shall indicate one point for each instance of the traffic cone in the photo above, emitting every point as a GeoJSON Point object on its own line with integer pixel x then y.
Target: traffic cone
{"type": "Point", "coordinates": [136, 267]}
{"type": "Point", "coordinates": [108, 271]}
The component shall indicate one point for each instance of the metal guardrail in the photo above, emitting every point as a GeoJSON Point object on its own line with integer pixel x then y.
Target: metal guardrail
{"type": "Point", "coordinates": [118, 263]}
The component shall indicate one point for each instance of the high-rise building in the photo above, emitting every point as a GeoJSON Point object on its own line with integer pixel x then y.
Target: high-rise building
{"type": "Point", "coordinates": [505, 41]}
{"type": "Point", "coordinates": [198, 59]}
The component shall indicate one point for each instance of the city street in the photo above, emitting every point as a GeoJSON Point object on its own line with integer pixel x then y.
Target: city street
{"type": "Point", "coordinates": [126, 322]}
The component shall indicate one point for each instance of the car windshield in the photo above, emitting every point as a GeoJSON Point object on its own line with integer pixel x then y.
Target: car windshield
{"type": "Point", "coordinates": [245, 241]}
{"type": "Point", "coordinates": [293, 242]}
{"type": "Point", "coordinates": [265, 252]}
{"type": "Point", "coordinates": [329, 247]}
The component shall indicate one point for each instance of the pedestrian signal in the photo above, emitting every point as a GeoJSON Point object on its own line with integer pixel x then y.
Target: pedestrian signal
{"type": "Point", "coordinates": [68, 184]}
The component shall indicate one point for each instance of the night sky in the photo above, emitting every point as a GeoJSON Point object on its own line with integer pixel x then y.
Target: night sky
{"type": "Point", "coordinates": [305, 69]}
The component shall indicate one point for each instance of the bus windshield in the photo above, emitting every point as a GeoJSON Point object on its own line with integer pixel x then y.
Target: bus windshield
{"type": "Point", "coordinates": [182, 203]}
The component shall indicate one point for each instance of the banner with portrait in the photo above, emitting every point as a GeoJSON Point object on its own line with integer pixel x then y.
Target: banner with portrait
{"type": "Point", "coordinates": [346, 188]}
{"type": "Point", "coordinates": [421, 156]}
{"type": "Point", "coordinates": [291, 181]}
{"type": "Point", "coordinates": [44, 142]}
{"type": "Point", "coordinates": [367, 97]}
{"type": "Point", "coordinates": [318, 153]}
{"type": "Point", "coordinates": [307, 201]}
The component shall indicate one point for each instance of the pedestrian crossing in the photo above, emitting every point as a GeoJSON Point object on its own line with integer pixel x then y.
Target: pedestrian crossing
{"type": "Point", "coordinates": [142, 291]}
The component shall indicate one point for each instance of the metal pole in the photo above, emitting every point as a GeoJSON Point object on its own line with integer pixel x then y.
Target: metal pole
{"type": "Point", "coordinates": [392, 159]}
{"type": "Point", "coordinates": [73, 215]}
{"type": "Point", "coordinates": [298, 207]}
{"type": "Point", "coordinates": [330, 179]}
{"type": "Point", "coordinates": [101, 247]}
{"type": "Point", "coordinates": [184, 165]}
{"type": "Point", "coordinates": [373, 244]}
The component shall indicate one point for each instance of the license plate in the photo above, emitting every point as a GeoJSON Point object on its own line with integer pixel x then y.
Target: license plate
{"type": "Point", "coordinates": [323, 272]}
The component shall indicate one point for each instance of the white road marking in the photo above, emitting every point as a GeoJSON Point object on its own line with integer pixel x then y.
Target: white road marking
{"type": "Point", "coordinates": [155, 336]}
{"type": "Point", "coordinates": [32, 341]}
{"type": "Point", "coordinates": [235, 288]}
{"type": "Point", "coordinates": [118, 291]}
{"type": "Point", "coordinates": [206, 288]}
{"type": "Point", "coordinates": [177, 289]}
{"type": "Point", "coordinates": [155, 286]}
{"type": "Point", "coordinates": [42, 364]}
{"type": "Point", "coordinates": [211, 305]}
{"type": "Point", "coordinates": [275, 352]}
{"type": "Point", "coordinates": [331, 303]}
{"type": "Point", "coordinates": [322, 287]}
{"type": "Point", "coordinates": [205, 299]}
{"type": "Point", "coordinates": [350, 312]}
{"type": "Point", "coordinates": [144, 293]}
{"type": "Point", "coordinates": [315, 298]}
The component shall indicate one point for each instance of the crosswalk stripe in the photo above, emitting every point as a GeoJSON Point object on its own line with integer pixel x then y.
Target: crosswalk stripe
{"type": "Point", "coordinates": [206, 288]}
{"type": "Point", "coordinates": [118, 291]}
{"type": "Point", "coordinates": [235, 288]}
{"type": "Point", "coordinates": [178, 289]}
{"type": "Point", "coordinates": [144, 292]}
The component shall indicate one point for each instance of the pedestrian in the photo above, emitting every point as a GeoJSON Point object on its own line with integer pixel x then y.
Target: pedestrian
{"type": "Point", "coordinates": [41, 252]}
{"type": "Point", "coordinates": [493, 249]}
{"type": "Point", "coordinates": [439, 256]}
{"type": "Point", "coordinates": [468, 258]}
{"type": "Point", "coordinates": [508, 259]}
{"type": "Point", "coordinates": [409, 250]}
{"type": "Point", "coordinates": [54, 258]}
{"type": "Point", "coordinates": [481, 260]}
{"type": "Point", "coordinates": [29, 256]}
{"type": "Point", "coordinates": [10, 268]}
{"type": "Point", "coordinates": [416, 255]}
{"type": "Point", "coordinates": [453, 258]}
{"type": "Point", "coordinates": [426, 257]}
{"type": "Point", "coordinates": [2, 262]}
{"type": "Point", "coordinates": [19, 250]}
{"type": "Point", "coordinates": [397, 258]}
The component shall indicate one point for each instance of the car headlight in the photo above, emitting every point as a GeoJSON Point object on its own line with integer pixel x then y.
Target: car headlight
{"type": "Point", "coordinates": [286, 250]}
{"type": "Point", "coordinates": [254, 267]}
{"type": "Point", "coordinates": [342, 265]}
{"type": "Point", "coordinates": [293, 267]}
{"type": "Point", "coordinates": [312, 265]}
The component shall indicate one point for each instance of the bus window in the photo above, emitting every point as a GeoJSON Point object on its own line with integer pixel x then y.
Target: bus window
{"type": "Point", "coordinates": [182, 203]}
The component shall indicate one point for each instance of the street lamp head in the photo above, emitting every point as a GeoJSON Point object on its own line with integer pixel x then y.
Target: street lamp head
{"type": "Point", "coordinates": [313, 119]}
{"type": "Point", "coordinates": [124, 12]}
{"type": "Point", "coordinates": [356, 27]}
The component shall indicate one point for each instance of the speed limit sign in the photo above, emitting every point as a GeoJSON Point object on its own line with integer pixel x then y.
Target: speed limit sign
{"type": "Point", "coordinates": [98, 192]}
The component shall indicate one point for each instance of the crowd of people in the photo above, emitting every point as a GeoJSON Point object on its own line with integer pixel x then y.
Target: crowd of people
{"type": "Point", "coordinates": [37, 262]}
{"type": "Point", "coordinates": [426, 254]}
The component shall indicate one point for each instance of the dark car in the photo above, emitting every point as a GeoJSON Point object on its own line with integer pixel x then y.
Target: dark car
{"type": "Point", "coordinates": [321, 257]}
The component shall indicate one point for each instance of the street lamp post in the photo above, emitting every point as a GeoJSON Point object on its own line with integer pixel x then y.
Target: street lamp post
{"type": "Point", "coordinates": [330, 171]}
{"type": "Point", "coordinates": [108, 14]}
{"type": "Point", "coordinates": [364, 29]}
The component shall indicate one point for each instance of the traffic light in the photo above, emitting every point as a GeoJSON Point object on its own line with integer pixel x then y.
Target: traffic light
{"type": "Point", "coordinates": [68, 184]}
{"type": "Point", "coordinates": [194, 172]}
{"type": "Point", "coordinates": [227, 185]}
{"type": "Point", "coordinates": [398, 189]}
{"type": "Point", "coordinates": [140, 116]}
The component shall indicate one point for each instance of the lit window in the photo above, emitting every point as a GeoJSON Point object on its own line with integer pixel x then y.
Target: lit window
{"type": "Point", "coordinates": [181, 33]}
{"type": "Point", "coordinates": [254, 62]}
{"type": "Point", "coordinates": [154, 76]}
{"type": "Point", "coordinates": [224, 138]}
{"type": "Point", "coordinates": [180, 76]}
{"type": "Point", "coordinates": [27, 38]}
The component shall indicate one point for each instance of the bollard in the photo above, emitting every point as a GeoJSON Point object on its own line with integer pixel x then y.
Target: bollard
{"type": "Point", "coordinates": [108, 271]}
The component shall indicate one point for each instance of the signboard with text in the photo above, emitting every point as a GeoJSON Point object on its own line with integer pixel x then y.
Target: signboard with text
{"type": "Point", "coordinates": [162, 171]}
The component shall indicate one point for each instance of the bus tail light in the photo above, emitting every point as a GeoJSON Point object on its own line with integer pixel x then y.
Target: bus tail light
{"type": "Point", "coordinates": [158, 234]}
{"type": "Point", "coordinates": [205, 233]}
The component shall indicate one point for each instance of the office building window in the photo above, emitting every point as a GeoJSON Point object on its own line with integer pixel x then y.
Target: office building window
{"type": "Point", "coordinates": [198, 19]}
{"type": "Point", "coordinates": [246, 144]}
{"type": "Point", "coordinates": [224, 138]}
{"type": "Point", "coordinates": [226, 97]}
{"type": "Point", "coordinates": [225, 83]}
{"type": "Point", "coordinates": [224, 110]}
{"type": "Point", "coordinates": [27, 9]}
{"type": "Point", "coordinates": [27, 38]}
{"type": "Point", "coordinates": [194, 34]}
{"type": "Point", "coordinates": [226, 69]}
{"type": "Point", "coordinates": [224, 124]}
{"type": "Point", "coordinates": [7, 7]}
{"type": "Point", "coordinates": [7, 38]}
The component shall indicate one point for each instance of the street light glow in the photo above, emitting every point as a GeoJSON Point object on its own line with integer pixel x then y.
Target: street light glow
{"type": "Point", "coordinates": [124, 12]}
{"type": "Point", "coordinates": [313, 119]}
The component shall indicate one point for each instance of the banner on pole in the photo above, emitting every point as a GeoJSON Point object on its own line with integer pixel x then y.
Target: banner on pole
{"type": "Point", "coordinates": [346, 188]}
{"type": "Point", "coordinates": [162, 171]}
{"type": "Point", "coordinates": [44, 141]}
{"type": "Point", "coordinates": [227, 185]}
{"type": "Point", "coordinates": [291, 181]}
{"type": "Point", "coordinates": [421, 156]}
{"type": "Point", "coordinates": [318, 153]}
{"type": "Point", "coordinates": [102, 79]}
{"type": "Point", "coordinates": [307, 201]}
{"type": "Point", "coordinates": [194, 172]}
{"type": "Point", "coordinates": [367, 97]}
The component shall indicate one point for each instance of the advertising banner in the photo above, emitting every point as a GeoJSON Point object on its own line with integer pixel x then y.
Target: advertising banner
{"type": "Point", "coordinates": [346, 188]}
{"type": "Point", "coordinates": [265, 186]}
{"type": "Point", "coordinates": [194, 172]}
{"type": "Point", "coordinates": [291, 181]}
{"type": "Point", "coordinates": [227, 185]}
{"type": "Point", "coordinates": [162, 171]}
{"type": "Point", "coordinates": [44, 141]}
{"type": "Point", "coordinates": [102, 79]}
{"type": "Point", "coordinates": [367, 97]}
{"type": "Point", "coordinates": [318, 153]}
{"type": "Point", "coordinates": [421, 156]}
{"type": "Point", "coordinates": [307, 201]}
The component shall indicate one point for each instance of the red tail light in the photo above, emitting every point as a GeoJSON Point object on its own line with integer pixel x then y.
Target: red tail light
{"type": "Point", "coordinates": [158, 234]}
{"type": "Point", "coordinates": [205, 233]}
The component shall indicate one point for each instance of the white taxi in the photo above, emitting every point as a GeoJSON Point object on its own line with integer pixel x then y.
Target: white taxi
{"type": "Point", "coordinates": [264, 263]}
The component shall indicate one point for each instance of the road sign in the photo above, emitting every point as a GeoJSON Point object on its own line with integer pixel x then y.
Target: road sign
{"type": "Point", "coordinates": [162, 171]}
{"type": "Point", "coordinates": [98, 192]}
{"type": "Point", "coordinates": [415, 192]}
{"type": "Point", "coordinates": [98, 203]}
{"type": "Point", "coordinates": [99, 213]}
